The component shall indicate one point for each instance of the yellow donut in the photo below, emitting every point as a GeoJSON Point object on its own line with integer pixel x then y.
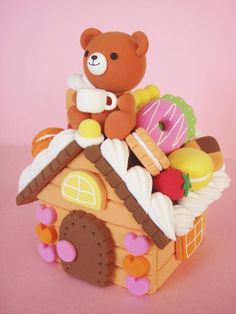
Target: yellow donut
{"type": "Point", "coordinates": [194, 162]}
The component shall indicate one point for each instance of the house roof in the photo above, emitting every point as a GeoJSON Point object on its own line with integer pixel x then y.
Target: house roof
{"type": "Point", "coordinates": [94, 155]}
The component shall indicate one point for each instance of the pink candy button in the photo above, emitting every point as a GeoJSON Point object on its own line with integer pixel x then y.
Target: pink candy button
{"type": "Point", "coordinates": [137, 286]}
{"type": "Point", "coordinates": [46, 215]}
{"type": "Point", "coordinates": [66, 251]}
{"type": "Point", "coordinates": [47, 252]}
{"type": "Point", "coordinates": [136, 245]}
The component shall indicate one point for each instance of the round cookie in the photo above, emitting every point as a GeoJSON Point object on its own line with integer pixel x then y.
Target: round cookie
{"type": "Point", "coordinates": [147, 152]}
{"type": "Point", "coordinates": [165, 123]}
{"type": "Point", "coordinates": [187, 110]}
{"type": "Point", "coordinates": [194, 162]}
{"type": "Point", "coordinates": [209, 145]}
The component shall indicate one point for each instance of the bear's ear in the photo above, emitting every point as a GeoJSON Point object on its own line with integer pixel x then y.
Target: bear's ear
{"type": "Point", "coordinates": [141, 41]}
{"type": "Point", "coordinates": [88, 35]}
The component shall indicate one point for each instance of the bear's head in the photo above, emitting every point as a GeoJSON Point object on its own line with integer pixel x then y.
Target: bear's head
{"type": "Point", "coordinates": [114, 61]}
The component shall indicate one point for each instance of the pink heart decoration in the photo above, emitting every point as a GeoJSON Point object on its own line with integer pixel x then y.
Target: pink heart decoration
{"type": "Point", "coordinates": [46, 215]}
{"type": "Point", "coordinates": [66, 251]}
{"type": "Point", "coordinates": [136, 245]}
{"type": "Point", "coordinates": [47, 252]}
{"type": "Point", "coordinates": [137, 286]}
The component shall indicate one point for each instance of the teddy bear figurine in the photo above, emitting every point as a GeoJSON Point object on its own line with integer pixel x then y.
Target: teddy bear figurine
{"type": "Point", "coordinates": [114, 62]}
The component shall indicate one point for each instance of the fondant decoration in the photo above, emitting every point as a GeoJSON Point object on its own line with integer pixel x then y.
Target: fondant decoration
{"type": "Point", "coordinates": [161, 213]}
{"type": "Point", "coordinates": [95, 100]}
{"type": "Point", "coordinates": [42, 139]}
{"type": "Point", "coordinates": [137, 286]}
{"type": "Point", "coordinates": [29, 187]}
{"type": "Point", "coordinates": [92, 249]}
{"type": "Point", "coordinates": [136, 266]}
{"type": "Point", "coordinates": [196, 204]}
{"type": "Point", "coordinates": [187, 110]}
{"type": "Point", "coordinates": [158, 206]}
{"type": "Point", "coordinates": [165, 123]}
{"type": "Point", "coordinates": [173, 183]}
{"type": "Point", "coordinates": [183, 220]}
{"type": "Point", "coordinates": [46, 156]}
{"type": "Point", "coordinates": [46, 215]}
{"type": "Point", "coordinates": [112, 62]}
{"type": "Point", "coordinates": [93, 241]}
{"type": "Point", "coordinates": [147, 152]}
{"type": "Point", "coordinates": [46, 234]}
{"type": "Point", "coordinates": [84, 188]}
{"type": "Point", "coordinates": [194, 162]}
{"type": "Point", "coordinates": [186, 245]}
{"type": "Point", "coordinates": [89, 133]}
{"type": "Point", "coordinates": [136, 244]}
{"type": "Point", "coordinates": [117, 154]}
{"type": "Point", "coordinates": [210, 146]}
{"type": "Point", "coordinates": [93, 154]}
{"type": "Point", "coordinates": [66, 251]}
{"type": "Point", "coordinates": [139, 183]}
{"type": "Point", "coordinates": [144, 95]}
{"type": "Point", "coordinates": [47, 252]}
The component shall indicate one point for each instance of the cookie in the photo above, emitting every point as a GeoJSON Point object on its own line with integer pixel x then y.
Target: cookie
{"type": "Point", "coordinates": [209, 145]}
{"type": "Point", "coordinates": [149, 154]}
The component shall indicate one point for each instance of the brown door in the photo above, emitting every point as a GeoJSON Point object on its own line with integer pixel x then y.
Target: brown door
{"type": "Point", "coordinates": [93, 242]}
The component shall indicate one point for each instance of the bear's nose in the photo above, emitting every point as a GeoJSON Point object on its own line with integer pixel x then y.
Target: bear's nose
{"type": "Point", "coordinates": [94, 57]}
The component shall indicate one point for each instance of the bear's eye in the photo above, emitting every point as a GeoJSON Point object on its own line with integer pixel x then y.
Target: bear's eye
{"type": "Point", "coordinates": [114, 56]}
{"type": "Point", "coordinates": [86, 53]}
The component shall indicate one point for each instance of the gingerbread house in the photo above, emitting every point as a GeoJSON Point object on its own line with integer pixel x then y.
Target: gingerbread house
{"type": "Point", "coordinates": [93, 220]}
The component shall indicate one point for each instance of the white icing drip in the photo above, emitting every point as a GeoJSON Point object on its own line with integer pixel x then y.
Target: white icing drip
{"type": "Point", "coordinates": [197, 202]}
{"type": "Point", "coordinates": [58, 143]}
{"type": "Point", "coordinates": [161, 213]}
{"type": "Point", "coordinates": [116, 152]}
{"type": "Point", "coordinates": [139, 183]}
{"type": "Point", "coordinates": [183, 220]}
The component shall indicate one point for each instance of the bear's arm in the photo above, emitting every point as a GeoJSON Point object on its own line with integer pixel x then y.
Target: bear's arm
{"type": "Point", "coordinates": [126, 103]}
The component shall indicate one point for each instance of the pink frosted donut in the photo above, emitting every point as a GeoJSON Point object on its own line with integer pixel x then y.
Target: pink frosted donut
{"type": "Point", "coordinates": [165, 123]}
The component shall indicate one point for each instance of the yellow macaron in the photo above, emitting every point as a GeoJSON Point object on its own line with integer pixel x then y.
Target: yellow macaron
{"type": "Point", "coordinates": [194, 162]}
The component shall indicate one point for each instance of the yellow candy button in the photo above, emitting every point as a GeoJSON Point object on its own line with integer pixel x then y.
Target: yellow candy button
{"type": "Point", "coordinates": [89, 128]}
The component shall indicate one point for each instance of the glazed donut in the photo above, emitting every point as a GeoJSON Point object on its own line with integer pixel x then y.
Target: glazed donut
{"type": "Point", "coordinates": [165, 123]}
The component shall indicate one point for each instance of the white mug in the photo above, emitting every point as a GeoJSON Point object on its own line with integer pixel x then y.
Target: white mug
{"type": "Point", "coordinates": [94, 100]}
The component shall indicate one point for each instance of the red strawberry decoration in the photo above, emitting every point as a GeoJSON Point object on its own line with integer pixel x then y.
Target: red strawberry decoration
{"type": "Point", "coordinates": [173, 183]}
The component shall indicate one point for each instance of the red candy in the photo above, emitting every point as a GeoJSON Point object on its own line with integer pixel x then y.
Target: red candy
{"type": "Point", "coordinates": [173, 183]}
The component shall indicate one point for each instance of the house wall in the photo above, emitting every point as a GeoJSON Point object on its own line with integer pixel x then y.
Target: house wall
{"type": "Point", "coordinates": [118, 219]}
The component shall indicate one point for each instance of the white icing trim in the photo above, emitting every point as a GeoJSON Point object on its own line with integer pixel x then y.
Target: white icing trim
{"type": "Point", "coordinates": [147, 150]}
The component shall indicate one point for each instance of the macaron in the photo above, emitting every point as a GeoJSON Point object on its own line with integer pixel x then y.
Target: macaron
{"type": "Point", "coordinates": [194, 162]}
{"type": "Point", "coordinates": [209, 145]}
{"type": "Point", "coordinates": [147, 151]}
{"type": "Point", "coordinates": [42, 139]}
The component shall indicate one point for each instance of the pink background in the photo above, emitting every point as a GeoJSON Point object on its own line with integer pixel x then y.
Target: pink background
{"type": "Point", "coordinates": [192, 54]}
